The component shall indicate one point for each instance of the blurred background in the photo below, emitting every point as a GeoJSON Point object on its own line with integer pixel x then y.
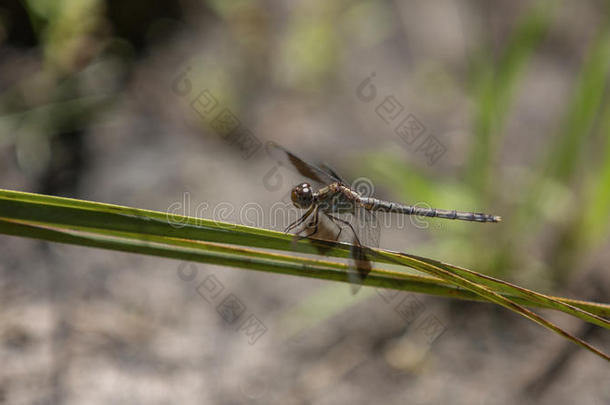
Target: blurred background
{"type": "Point", "coordinates": [497, 107]}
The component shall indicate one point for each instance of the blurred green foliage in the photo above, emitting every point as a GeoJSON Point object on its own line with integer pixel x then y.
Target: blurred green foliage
{"type": "Point", "coordinates": [565, 196]}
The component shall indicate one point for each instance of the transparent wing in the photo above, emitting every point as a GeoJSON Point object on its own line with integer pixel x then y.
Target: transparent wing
{"type": "Point", "coordinates": [334, 174]}
{"type": "Point", "coordinates": [360, 229]}
{"type": "Point", "coordinates": [293, 162]}
{"type": "Point", "coordinates": [368, 227]}
{"type": "Point", "coordinates": [367, 231]}
{"type": "Point", "coordinates": [314, 224]}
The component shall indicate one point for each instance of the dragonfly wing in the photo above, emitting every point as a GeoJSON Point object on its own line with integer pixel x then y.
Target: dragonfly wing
{"type": "Point", "coordinates": [290, 160]}
{"type": "Point", "coordinates": [366, 227]}
{"type": "Point", "coordinates": [362, 265]}
{"type": "Point", "coordinates": [360, 230]}
{"type": "Point", "coordinates": [331, 172]}
{"type": "Point", "coordinates": [369, 229]}
{"type": "Point", "coordinates": [314, 224]}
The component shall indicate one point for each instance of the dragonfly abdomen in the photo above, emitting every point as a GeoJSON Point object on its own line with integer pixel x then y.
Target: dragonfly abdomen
{"type": "Point", "coordinates": [387, 206]}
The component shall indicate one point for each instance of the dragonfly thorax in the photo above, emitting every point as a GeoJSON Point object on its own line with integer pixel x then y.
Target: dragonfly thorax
{"type": "Point", "coordinates": [302, 196]}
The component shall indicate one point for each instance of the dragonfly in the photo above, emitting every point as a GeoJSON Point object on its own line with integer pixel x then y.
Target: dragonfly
{"type": "Point", "coordinates": [352, 214]}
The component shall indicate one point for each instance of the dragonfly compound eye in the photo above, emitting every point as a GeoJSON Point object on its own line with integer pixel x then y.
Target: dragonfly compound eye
{"type": "Point", "coordinates": [302, 196]}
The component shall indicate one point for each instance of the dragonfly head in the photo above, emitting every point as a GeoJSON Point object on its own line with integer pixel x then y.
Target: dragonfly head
{"type": "Point", "coordinates": [302, 196]}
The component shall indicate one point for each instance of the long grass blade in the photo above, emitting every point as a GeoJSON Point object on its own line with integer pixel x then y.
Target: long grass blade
{"type": "Point", "coordinates": [490, 295]}
{"type": "Point", "coordinates": [84, 214]}
{"type": "Point", "coordinates": [154, 231]}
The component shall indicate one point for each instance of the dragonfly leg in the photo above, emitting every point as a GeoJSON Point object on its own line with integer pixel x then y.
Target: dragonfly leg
{"type": "Point", "coordinates": [332, 220]}
{"type": "Point", "coordinates": [299, 221]}
{"type": "Point", "coordinates": [314, 224]}
{"type": "Point", "coordinates": [339, 234]}
{"type": "Point", "coordinates": [363, 264]}
{"type": "Point", "coordinates": [348, 224]}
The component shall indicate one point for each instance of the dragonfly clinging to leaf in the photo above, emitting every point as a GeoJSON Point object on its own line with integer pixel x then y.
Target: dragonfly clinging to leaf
{"type": "Point", "coordinates": [352, 213]}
